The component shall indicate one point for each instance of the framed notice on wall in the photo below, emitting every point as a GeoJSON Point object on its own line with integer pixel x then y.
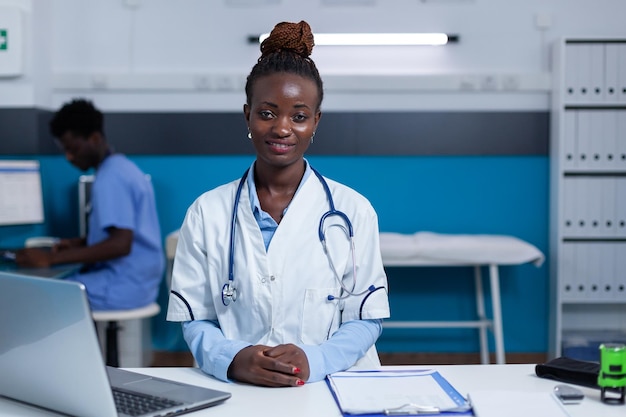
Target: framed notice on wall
{"type": "Point", "coordinates": [21, 197]}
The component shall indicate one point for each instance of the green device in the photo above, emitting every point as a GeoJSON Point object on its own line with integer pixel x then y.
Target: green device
{"type": "Point", "coordinates": [612, 375]}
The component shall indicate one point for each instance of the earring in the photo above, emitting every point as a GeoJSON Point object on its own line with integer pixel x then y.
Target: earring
{"type": "Point", "coordinates": [249, 135]}
{"type": "Point", "coordinates": [312, 136]}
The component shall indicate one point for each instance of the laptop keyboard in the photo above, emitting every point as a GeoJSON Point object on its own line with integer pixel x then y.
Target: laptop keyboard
{"type": "Point", "coordinates": [136, 404]}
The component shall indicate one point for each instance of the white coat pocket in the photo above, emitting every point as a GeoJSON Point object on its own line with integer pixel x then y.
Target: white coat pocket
{"type": "Point", "coordinates": [320, 317]}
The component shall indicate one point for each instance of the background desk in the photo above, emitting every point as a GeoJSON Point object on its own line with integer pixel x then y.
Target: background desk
{"type": "Point", "coordinates": [57, 271]}
{"type": "Point", "coordinates": [315, 400]}
{"type": "Point", "coordinates": [433, 249]}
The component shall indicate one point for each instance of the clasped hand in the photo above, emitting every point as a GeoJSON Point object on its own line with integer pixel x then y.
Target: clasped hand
{"type": "Point", "coordinates": [278, 366]}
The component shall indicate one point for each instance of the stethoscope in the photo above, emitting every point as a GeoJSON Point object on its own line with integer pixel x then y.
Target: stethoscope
{"type": "Point", "coordinates": [229, 291]}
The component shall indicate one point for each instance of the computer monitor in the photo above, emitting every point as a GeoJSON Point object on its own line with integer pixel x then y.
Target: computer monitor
{"type": "Point", "coordinates": [21, 196]}
{"type": "Point", "coordinates": [85, 182]}
{"type": "Point", "coordinates": [84, 202]}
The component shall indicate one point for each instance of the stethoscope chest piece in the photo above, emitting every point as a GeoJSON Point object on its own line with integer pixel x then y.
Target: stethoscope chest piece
{"type": "Point", "coordinates": [229, 293]}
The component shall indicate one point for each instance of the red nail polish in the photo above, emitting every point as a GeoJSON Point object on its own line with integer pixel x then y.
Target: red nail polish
{"type": "Point", "coordinates": [299, 382]}
{"type": "Point", "coordinates": [296, 370]}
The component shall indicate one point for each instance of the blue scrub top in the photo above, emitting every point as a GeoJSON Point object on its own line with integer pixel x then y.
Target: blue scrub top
{"type": "Point", "coordinates": [122, 197]}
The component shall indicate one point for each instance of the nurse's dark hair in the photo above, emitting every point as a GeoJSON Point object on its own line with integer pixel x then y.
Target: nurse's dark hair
{"type": "Point", "coordinates": [80, 117]}
{"type": "Point", "coordinates": [287, 49]}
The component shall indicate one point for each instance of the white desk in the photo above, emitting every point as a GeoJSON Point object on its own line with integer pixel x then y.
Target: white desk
{"type": "Point", "coordinates": [434, 249]}
{"type": "Point", "coordinates": [315, 400]}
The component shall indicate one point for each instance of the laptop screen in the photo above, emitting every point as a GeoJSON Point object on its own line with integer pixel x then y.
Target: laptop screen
{"type": "Point", "coordinates": [50, 356]}
{"type": "Point", "coordinates": [48, 344]}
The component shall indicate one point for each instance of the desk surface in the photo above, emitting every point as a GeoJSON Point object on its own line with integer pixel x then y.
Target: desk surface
{"type": "Point", "coordinates": [316, 400]}
{"type": "Point", "coordinates": [57, 271]}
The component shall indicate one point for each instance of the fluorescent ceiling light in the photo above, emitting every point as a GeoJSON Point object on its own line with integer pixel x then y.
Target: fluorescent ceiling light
{"type": "Point", "coordinates": [375, 39]}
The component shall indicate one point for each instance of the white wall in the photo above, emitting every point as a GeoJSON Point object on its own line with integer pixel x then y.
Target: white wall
{"type": "Point", "coordinates": [193, 54]}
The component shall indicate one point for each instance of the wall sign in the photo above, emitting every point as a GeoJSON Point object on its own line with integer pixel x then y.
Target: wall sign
{"type": "Point", "coordinates": [10, 42]}
{"type": "Point", "coordinates": [4, 40]}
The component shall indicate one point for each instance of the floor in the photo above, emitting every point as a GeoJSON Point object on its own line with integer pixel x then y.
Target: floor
{"type": "Point", "coordinates": [185, 358]}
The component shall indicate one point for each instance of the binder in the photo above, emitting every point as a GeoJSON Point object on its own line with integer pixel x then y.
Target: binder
{"type": "Point", "coordinates": [619, 277]}
{"type": "Point", "coordinates": [593, 284]}
{"type": "Point", "coordinates": [569, 153]}
{"type": "Point", "coordinates": [609, 271]}
{"type": "Point", "coordinates": [396, 392]}
{"type": "Point", "coordinates": [596, 73]}
{"type": "Point", "coordinates": [596, 140]}
{"type": "Point", "coordinates": [594, 201]}
{"type": "Point", "coordinates": [571, 73]}
{"type": "Point", "coordinates": [567, 270]}
{"type": "Point", "coordinates": [611, 72]}
{"type": "Point", "coordinates": [609, 158]}
{"type": "Point", "coordinates": [583, 65]}
{"type": "Point", "coordinates": [620, 154]}
{"type": "Point", "coordinates": [608, 219]}
{"type": "Point", "coordinates": [570, 218]}
{"type": "Point", "coordinates": [620, 206]}
{"type": "Point", "coordinates": [621, 88]}
{"type": "Point", "coordinates": [581, 206]}
{"type": "Point", "coordinates": [584, 138]}
{"type": "Point", "coordinates": [581, 272]}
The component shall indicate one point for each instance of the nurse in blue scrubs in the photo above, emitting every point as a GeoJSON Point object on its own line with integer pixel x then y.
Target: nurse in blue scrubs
{"type": "Point", "coordinates": [122, 254]}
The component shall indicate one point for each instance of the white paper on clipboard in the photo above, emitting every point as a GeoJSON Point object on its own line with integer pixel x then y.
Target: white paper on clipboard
{"type": "Point", "coordinates": [516, 404]}
{"type": "Point", "coordinates": [392, 392]}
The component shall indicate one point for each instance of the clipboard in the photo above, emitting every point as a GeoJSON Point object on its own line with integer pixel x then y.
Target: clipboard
{"type": "Point", "coordinates": [396, 392]}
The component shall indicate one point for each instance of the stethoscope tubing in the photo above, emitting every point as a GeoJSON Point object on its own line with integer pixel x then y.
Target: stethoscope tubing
{"type": "Point", "coordinates": [229, 291]}
{"type": "Point", "coordinates": [233, 220]}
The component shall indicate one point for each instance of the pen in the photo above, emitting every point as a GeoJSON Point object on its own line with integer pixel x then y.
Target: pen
{"type": "Point", "coordinates": [416, 409]}
{"type": "Point", "coordinates": [411, 409]}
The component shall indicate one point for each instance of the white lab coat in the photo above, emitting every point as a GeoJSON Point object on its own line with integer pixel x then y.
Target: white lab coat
{"type": "Point", "coordinates": [282, 293]}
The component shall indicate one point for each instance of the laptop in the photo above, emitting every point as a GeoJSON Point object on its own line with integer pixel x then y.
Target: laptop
{"type": "Point", "coordinates": [50, 356]}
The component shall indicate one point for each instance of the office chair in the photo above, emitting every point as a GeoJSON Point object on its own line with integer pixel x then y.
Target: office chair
{"type": "Point", "coordinates": [113, 317]}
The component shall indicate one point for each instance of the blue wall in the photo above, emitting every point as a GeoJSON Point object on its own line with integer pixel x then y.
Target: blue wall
{"type": "Point", "coordinates": [445, 194]}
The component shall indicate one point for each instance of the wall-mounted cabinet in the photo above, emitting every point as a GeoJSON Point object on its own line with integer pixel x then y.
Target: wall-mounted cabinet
{"type": "Point", "coordinates": [588, 193]}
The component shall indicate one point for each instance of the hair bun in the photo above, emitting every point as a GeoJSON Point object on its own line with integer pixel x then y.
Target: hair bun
{"type": "Point", "coordinates": [296, 37]}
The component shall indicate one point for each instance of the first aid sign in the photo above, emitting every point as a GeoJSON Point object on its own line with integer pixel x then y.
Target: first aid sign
{"type": "Point", "coordinates": [10, 42]}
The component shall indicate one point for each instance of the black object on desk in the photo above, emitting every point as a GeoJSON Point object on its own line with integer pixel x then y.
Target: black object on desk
{"type": "Point", "coordinates": [570, 370]}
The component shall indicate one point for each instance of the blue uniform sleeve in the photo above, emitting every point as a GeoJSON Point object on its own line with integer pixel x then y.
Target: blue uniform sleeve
{"type": "Point", "coordinates": [347, 345]}
{"type": "Point", "coordinates": [213, 352]}
{"type": "Point", "coordinates": [113, 200]}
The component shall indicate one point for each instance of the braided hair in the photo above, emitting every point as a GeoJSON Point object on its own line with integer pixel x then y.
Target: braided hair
{"type": "Point", "coordinates": [287, 49]}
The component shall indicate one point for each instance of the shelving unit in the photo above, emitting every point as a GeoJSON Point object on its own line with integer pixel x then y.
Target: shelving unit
{"type": "Point", "coordinates": [588, 192]}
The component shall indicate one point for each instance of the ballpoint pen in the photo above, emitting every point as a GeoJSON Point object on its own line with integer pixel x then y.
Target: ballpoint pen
{"type": "Point", "coordinates": [416, 409]}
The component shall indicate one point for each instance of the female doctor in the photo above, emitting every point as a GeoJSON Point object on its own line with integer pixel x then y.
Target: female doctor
{"type": "Point", "coordinates": [278, 277]}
